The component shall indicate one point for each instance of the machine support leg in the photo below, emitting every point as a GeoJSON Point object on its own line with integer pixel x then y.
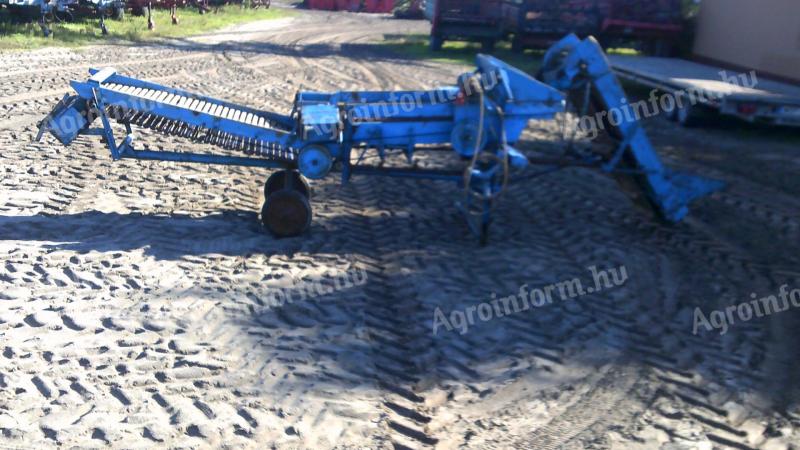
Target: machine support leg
{"type": "Point", "coordinates": [108, 131]}
{"type": "Point", "coordinates": [151, 25]}
{"type": "Point", "coordinates": [103, 28]}
{"type": "Point", "coordinates": [347, 170]}
{"type": "Point", "coordinates": [477, 211]}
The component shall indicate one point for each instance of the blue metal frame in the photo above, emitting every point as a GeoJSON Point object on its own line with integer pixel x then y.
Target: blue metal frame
{"type": "Point", "coordinates": [382, 120]}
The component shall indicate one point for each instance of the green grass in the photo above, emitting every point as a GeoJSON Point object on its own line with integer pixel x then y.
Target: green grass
{"type": "Point", "coordinates": [86, 30]}
{"type": "Point", "coordinates": [416, 46]}
{"type": "Point", "coordinates": [623, 51]}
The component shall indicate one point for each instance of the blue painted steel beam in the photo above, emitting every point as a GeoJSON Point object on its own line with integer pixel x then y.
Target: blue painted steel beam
{"type": "Point", "coordinates": [199, 158]}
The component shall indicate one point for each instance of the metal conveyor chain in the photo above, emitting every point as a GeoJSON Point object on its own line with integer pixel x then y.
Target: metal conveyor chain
{"type": "Point", "coordinates": [162, 125]}
{"type": "Point", "coordinates": [193, 104]}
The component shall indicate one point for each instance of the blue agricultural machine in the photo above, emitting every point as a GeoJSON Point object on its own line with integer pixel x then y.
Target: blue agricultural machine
{"type": "Point", "coordinates": [474, 126]}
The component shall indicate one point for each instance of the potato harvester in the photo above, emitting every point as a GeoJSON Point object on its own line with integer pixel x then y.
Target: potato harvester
{"type": "Point", "coordinates": [476, 123]}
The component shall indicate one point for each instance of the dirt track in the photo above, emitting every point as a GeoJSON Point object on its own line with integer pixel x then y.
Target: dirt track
{"type": "Point", "coordinates": [134, 296]}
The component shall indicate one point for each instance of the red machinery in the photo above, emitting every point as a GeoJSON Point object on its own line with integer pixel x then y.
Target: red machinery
{"type": "Point", "coordinates": [378, 6]}
{"type": "Point", "coordinates": [348, 5]}
{"type": "Point", "coordinates": [141, 7]}
{"type": "Point", "coordinates": [329, 5]}
{"type": "Point", "coordinates": [370, 6]}
{"type": "Point", "coordinates": [655, 24]}
{"type": "Point", "coordinates": [465, 20]}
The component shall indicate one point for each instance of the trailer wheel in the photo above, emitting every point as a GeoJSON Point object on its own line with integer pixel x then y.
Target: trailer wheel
{"type": "Point", "coordinates": [487, 45]}
{"type": "Point", "coordinates": [437, 42]}
{"type": "Point", "coordinates": [118, 13]}
{"type": "Point", "coordinates": [686, 113]}
{"type": "Point", "coordinates": [62, 16]}
{"type": "Point", "coordinates": [286, 213]}
{"type": "Point", "coordinates": [517, 45]}
{"type": "Point", "coordinates": [671, 113]}
{"type": "Point", "coordinates": [277, 182]}
{"type": "Point", "coordinates": [663, 48]}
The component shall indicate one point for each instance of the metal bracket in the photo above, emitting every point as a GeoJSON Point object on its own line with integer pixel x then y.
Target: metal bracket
{"type": "Point", "coordinates": [44, 125]}
{"type": "Point", "coordinates": [614, 161]}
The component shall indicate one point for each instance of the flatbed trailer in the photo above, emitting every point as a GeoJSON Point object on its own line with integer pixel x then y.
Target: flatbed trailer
{"type": "Point", "coordinates": [729, 92]}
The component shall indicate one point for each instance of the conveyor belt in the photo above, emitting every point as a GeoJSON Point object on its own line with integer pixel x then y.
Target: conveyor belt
{"type": "Point", "coordinates": [138, 111]}
{"type": "Point", "coordinates": [193, 104]}
{"type": "Point", "coordinates": [228, 141]}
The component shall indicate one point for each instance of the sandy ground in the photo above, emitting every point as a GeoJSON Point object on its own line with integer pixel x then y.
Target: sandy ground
{"type": "Point", "coordinates": [135, 297]}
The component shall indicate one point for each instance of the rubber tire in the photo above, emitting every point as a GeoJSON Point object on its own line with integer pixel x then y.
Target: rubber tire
{"type": "Point", "coordinates": [63, 16]}
{"type": "Point", "coordinates": [487, 45]}
{"type": "Point", "coordinates": [686, 116]}
{"type": "Point", "coordinates": [663, 48]}
{"type": "Point", "coordinates": [286, 213]}
{"type": "Point", "coordinates": [671, 114]}
{"type": "Point", "coordinates": [517, 46]}
{"type": "Point", "coordinates": [118, 13]}
{"type": "Point", "coordinates": [437, 42]}
{"type": "Point", "coordinates": [277, 182]}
